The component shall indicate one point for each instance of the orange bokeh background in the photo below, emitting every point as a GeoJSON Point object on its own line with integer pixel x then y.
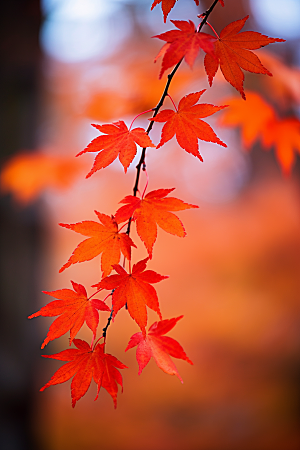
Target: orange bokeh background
{"type": "Point", "coordinates": [235, 277]}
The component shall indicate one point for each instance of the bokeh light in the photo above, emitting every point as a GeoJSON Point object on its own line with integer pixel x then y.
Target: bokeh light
{"type": "Point", "coordinates": [77, 30]}
{"type": "Point", "coordinates": [274, 15]}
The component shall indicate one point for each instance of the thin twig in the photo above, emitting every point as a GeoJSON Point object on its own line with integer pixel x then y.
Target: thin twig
{"type": "Point", "coordinates": [107, 325]}
{"type": "Point", "coordinates": [206, 14]}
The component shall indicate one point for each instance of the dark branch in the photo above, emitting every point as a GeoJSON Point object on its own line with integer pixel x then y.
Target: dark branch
{"type": "Point", "coordinates": [206, 14]}
{"type": "Point", "coordinates": [141, 162]}
{"type": "Point", "coordinates": [108, 323]}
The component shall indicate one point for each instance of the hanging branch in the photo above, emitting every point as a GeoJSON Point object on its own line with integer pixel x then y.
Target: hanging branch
{"type": "Point", "coordinates": [158, 107]}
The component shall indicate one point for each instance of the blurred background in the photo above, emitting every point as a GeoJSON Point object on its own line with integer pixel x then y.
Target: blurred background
{"type": "Point", "coordinates": [236, 276]}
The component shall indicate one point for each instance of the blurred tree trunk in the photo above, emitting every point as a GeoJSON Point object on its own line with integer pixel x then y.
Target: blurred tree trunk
{"type": "Point", "coordinates": [21, 232]}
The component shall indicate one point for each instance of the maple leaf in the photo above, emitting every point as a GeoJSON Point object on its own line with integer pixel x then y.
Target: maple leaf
{"type": "Point", "coordinates": [183, 43]}
{"type": "Point", "coordinates": [134, 290]}
{"type": "Point", "coordinates": [232, 54]}
{"type": "Point", "coordinates": [167, 5]}
{"type": "Point", "coordinates": [258, 120]}
{"type": "Point", "coordinates": [84, 364]}
{"type": "Point", "coordinates": [74, 308]}
{"type": "Point", "coordinates": [117, 141]}
{"type": "Point", "coordinates": [284, 135]}
{"type": "Point", "coordinates": [160, 347]}
{"type": "Point", "coordinates": [222, 2]}
{"type": "Point", "coordinates": [152, 210]}
{"type": "Point", "coordinates": [251, 115]}
{"type": "Point", "coordinates": [186, 124]}
{"type": "Point", "coordinates": [104, 238]}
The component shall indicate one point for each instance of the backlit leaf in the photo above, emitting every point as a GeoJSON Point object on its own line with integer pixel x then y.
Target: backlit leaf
{"type": "Point", "coordinates": [160, 347]}
{"type": "Point", "coordinates": [104, 238]}
{"type": "Point", "coordinates": [116, 141]}
{"type": "Point", "coordinates": [232, 53]}
{"type": "Point", "coordinates": [84, 364]}
{"type": "Point", "coordinates": [152, 210]}
{"type": "Point", "coordinates": [187, 125]}
{"type": "Point", "coordinates": [183, 43]}
{"type": "Point", "coordinates": [73, 309]}
{"type": "Point", "coordinates": [134, 290]}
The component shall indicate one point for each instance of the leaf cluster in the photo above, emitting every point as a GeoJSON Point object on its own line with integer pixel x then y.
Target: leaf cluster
{"type": "Point", "coordinates": [133, 288]}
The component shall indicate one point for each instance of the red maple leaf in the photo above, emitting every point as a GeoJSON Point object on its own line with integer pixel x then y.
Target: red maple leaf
{"type": "Point", "coordinates": [186, 124]}
{"type": "Point", "coordinates": [152, 210]}
{"type": "Point", "coordinates": [167, 5]}
{"type": "Point", "coordinates": [231, 53]}
{"type": "Point", "coordinates": [222, 2]}
{"type": "Point", "coordinates": [183, 43]}
{"type": "Point", "coordinates": [104, 238]}
{"type": "Point", "coordinates": [134, 290]}
{"type": "Point", "coordinates": [160, 347]}
{"type": "Point", "coordinates": [87, 363]}
{"type": "Point", "coordinates": [117, 141]}
{"type": "Point", "coordinates": [74, 308]}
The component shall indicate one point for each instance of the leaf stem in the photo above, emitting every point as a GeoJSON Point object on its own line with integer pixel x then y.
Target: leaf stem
{"type": "Point", "coordinates": [93, 346]}
{"type": "Point", "coordinates": [95, 293]}
{"type": "Point", "coordinates": [172, 102]}
{"type": "Point", "coordinates": [212, 28]}
{"type": "Point", "coordinates": [144, 169]}
{"type": "Point", "coordinates": [144, 112]}
{"type": "Point", "coordinates": [104, 300]}
{"type": "Point", "coordinates": [123, 226]}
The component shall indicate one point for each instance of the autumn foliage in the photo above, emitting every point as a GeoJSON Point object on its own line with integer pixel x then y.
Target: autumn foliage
{"type": "Point", "coordinates": [232, 52]}
{"type": "Point", "coordinates": [258, 121]}
{"type": "Point", "coordinates": [74, 308]}
{"type": "Point", "coordinates": [156, 345]}
{"type": "Point", "coordinates": [117, 141]}
{"type": "Point", "coordinates": [104, 238]}
{"type": "Point", "coordinates": [85, 363]}
{"type": "Point", "coordinates": [187, 125]}
{"type": "Point", "coordinates": [109, 237]}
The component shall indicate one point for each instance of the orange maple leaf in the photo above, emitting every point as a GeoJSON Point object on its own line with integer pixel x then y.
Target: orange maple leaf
{"type": "Point", "coordinates": [183, 43]}
{"type": "Point", "coordinates": [152, 210]}
{"type": "Point", "coordinates": [160, 347]}
{"type": "Point", "coordinates": [251, 115]}
{"type": "Point", "coordinates": [232, 54]}
{"type": "Point", "coordinates": [186, 124]}
{"type": "Point", "coordinates": [87, 363]}
{"type": "Point", "coordinates": [134, 290]}
{"type": "Point", "coordinates": [284, 135]}
{"type": "Point", "coordinates": [74, 308]}
{"type": "Point", "coordinates": [167, 5]}
{"type": "Point", "coordinates": [118, 141]}
{"type": "Point", "coordinates": [258, 120]}
{"type": "Point", "coordinates": [105, 238]}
